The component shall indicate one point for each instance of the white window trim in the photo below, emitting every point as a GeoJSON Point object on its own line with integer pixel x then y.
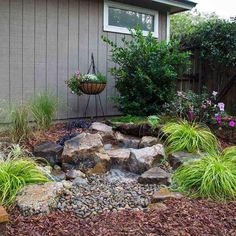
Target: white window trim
{"type": "Point", "coordinates": [168, 27]}
{"type": "Point", "coordinates": [124, 30]}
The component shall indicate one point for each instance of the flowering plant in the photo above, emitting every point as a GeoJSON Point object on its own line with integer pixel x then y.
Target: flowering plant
{"type": "Point", "coordinates": [74, 83]}
{"type": "Point", "coordinates": [193, 107]}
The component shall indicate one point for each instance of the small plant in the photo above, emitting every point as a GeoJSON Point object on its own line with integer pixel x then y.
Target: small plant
{"type": "Point", "coordinates": [44, 109]}
{"type": "Point", "coordinates": [213, 176]}
{"type": "Point", "coordinates": [191, 137]}
{"type": "Point", "coordinates": [16, 173]}
{"type": "Point", "coordinates": [153, 121]}
{"type": "Point", "coordinates": [19, 123]}
{"type": "Point", "coordinates": [74, 83]}
{"type": "Point", "coordinates": [130, 119]}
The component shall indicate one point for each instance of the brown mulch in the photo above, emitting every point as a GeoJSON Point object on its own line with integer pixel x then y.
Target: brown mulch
{"type": "Point", "coordinates": [183, 217]}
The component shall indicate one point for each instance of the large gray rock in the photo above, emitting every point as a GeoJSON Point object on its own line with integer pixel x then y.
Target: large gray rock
{"type": "Point", "coordinates": [119, 157]}
{"type": "Point", "coordinates": [73, 174]}
{"type": "Point", "coordinates": [39, 198]}
{"type": "Point", "coordinates": [148, 141]}
{"type": "Point", "coordinates": [58, 175]}
{"type": "Point", "coordinates": [127, 141]}
{"type": "Point", "coordinates": [50, 151]}
{"type": "Point", "coordinates": [104, 130]}
{"type": "Point", "coordinates": [155, 175]}
{"type": "Point", "coordinates": [177, 159]}
{"type": "Point", "coordinates": [144, 159]}
{"type": "Point", "coordinates": [86, 152]}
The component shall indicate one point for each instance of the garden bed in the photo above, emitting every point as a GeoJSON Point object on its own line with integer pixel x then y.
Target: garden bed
{"type": "Point", "coordinates": [182, 217]}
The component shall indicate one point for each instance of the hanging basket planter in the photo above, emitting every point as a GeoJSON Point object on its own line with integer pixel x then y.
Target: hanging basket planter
{"type": "Point", "coordinates": [92, 88]}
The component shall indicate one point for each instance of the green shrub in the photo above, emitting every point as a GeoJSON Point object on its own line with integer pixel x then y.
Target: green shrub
{"type": "Point", "coordinates": [19, 122]}
{"type": "Point", "coordinates": [146, 73]}
{"type": "Point", "coordinates": [16, 173]}
{"type": "Point", "coordinates": [44, 109]}
{"type": "Point", "coordinates": [213, 176]}
{"type": "Point", "coordinates": [230, 153]}
{"type": "Point", "coordinates": [191, 137]}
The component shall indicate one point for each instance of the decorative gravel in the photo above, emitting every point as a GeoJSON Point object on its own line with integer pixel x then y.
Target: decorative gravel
{"type": "Point", "coordinates": [104, 193]}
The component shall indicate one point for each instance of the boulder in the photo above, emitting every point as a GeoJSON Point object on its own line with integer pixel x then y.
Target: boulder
{"type": "Point", "coordinates": [73, 174]}
{"type": "Point", "coordinates": [119, 157]}
{"type": "Point", "coordinates": [58, 175]}
{"type": "Point", "coordinates": [165, 194]}
{"type": "Point", "coordinates": [144, 159]}
{"type": "Point", "coordinates": [127, 141]}
{"type": "Point", "coordinates": [4, 219]}
{"type": "Point", "coordinates": [157, 206]}
{"type": "Point", "coordinates": [177, 159]}
{"type": "Point", "coordinates": [39, 198]}
{"type": "Point", "coordinates": [104, 130]}
{"type": "Point", "coordinates": [148, 141]}
{"type": "Point", "coordinates": [80, 181]}
{"type": "Point", "coordinates": [155, 175]}
{"type": "Point", "coordinates": [50, 151]}
{"type": "Point", "coordinates": [85, 152]}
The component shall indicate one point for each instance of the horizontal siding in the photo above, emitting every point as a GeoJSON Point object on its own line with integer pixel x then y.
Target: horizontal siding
{"type": "Point", "coordinates": [42, 43]}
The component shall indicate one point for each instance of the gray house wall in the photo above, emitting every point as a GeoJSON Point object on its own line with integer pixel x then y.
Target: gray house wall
{"type": "Point", "coordinates": [43, 42]}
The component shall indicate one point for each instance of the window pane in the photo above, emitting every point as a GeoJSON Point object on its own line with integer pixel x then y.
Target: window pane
{"type": "Point", "coordinates": [130, 19]}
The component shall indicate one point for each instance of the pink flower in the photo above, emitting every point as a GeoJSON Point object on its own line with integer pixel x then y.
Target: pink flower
{"type": "Point", "coordinates": [179, 93]}
{"type": "Point", "coordinates": [219, 120]}
{"type": "Point", "coordinates": [221, 106]}
{"type": "Point", "coordinates": [77, 73]}
{"type": "Point", "coordinates": [232, 123]}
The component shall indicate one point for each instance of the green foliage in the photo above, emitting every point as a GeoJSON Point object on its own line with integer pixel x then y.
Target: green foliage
{"type": "Point", "coordinates": [183, 24]}
{"type": "Point", "coordinates": [44, 109]}
{"type": "Point", "coordinates": [191, 137]}
{"type": "Point", "coordinates": [15, 174]}
{"type": "Point", "coordinates": [230, 153]}
{"type": "Point", "coordinates": [153, 121]}
{"type": "Point", "coordinates": [19, 122]}
{"type": "Point", "coordinates": [130, 119]}
{"type": "Point", "coordinates": [213, 176]}
{"type": "Point", "coordinates": [146, 73]}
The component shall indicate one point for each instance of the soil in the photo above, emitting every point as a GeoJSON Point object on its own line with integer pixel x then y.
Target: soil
{"type": "Point", "coordinates": [183, 217]}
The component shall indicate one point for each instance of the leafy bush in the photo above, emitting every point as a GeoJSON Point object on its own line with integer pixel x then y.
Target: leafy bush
{"type": "Point", "coordinates": [16, 173]}
{"type": "Point", "coordinates": [19, 122]}
{"type": "Point", "coordinates": [213, 176]}
{"type": "Point", "coordinates": [146, 73]}
{"type": "Point", "coordinates": [191, 137]}
{"type": "Point", "coordinates": [44, 109]}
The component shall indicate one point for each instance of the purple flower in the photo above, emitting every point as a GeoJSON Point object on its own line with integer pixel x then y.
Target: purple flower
{"type": "Point", "coordinates": [221, 106]}
{"type": "Point", "coordinates": [190, 116]}
{"type": "Point", "coordinates": [77, 73]}
{"type": "Point", "coordinates": [219, 120]}
{"type": "Point", "coordinates": [232, 123]}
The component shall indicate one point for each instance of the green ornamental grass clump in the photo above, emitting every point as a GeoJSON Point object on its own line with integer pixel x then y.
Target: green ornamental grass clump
{"type": "Point", "coordinates": [213, 176]}
{"type": "Point", "coordinates": [190, 137]}
{"type": "Point", "coordinates": [44, 109]}
{"type": "Point", "coordinates": [16, 173]}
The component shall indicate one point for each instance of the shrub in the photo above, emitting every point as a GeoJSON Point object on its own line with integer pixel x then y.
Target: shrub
{"type": "Point", "coordinates": [153, 121]}
{"type": "Point", "coordinates": [146, 73]}
{"type": "Point", "coordinates": [130, 119]}
{"type": "Point", "coordinates": [191, 137]}
{"type": "Point", "coordinates": [44, 109]}
{"type": "Point", "coordinates": [19, 122]}
{"type": "Point", "coordinates": [16, 173]}
{"type": "Point", "coordinates": [213, 176]}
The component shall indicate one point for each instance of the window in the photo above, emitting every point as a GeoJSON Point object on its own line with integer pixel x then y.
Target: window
{"type": "Point", "coordinates": [120, 17]}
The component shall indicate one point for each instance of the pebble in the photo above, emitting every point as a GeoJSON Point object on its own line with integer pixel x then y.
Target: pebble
{"type": "Point", "coordinates": [99, 195]}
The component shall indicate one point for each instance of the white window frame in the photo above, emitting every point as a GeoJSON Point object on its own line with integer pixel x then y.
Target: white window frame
{"type": "Point", "coordinates": [123, 30]}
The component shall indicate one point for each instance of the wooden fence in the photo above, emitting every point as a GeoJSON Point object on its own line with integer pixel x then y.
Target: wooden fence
{"type": "Point", "coordinates": [201, 75]}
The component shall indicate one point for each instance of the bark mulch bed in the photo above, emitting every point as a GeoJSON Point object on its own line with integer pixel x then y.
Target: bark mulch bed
{"type": "Point", "coordinates": [183, 217]}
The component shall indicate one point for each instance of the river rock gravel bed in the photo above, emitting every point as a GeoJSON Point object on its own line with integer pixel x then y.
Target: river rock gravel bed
{"type": "Point", "coordinates": [105, 194]}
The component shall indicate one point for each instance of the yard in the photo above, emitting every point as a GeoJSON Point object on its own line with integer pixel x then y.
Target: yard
{"type": "Point", "coordinates": [162, 164]}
